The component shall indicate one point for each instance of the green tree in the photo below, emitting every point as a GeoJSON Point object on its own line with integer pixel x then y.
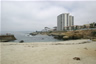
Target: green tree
{"type": "Point", "coordinates": [92, 25]}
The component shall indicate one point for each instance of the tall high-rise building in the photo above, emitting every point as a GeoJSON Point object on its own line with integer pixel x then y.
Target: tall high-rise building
{"type": "Point", "coordinates": [71, 22]}
{"type": "Point", "coordinates": [64, 22]}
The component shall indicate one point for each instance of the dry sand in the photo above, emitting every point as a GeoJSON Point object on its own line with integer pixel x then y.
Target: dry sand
{"type": "Point", "coordinates": [49, 53]}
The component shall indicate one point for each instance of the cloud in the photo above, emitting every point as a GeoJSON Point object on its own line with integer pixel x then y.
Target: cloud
{"type": "Point", "coordinates": [85, 13]}
{"type": "Point", "coordinates": [35, 15]}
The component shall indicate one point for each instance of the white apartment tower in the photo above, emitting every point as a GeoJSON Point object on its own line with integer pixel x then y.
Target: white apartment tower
{"type": "Point", "coordinates": [64, 22]}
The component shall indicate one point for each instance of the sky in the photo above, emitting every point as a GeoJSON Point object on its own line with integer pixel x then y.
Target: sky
{"type": "Point", "coordinates": [32, 15]}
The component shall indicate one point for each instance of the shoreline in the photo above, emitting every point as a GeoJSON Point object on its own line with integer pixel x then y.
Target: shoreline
{"type": "Point", "coordinates": [49, 53]}
{"type": "Point", "coordinates": [50, 41]}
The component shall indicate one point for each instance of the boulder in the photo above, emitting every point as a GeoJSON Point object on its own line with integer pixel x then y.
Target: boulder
{"type": "Point", "coordinates": [21, 41]}
{"type": "Point", "coordinates": [66, 37]}
{"type": "Point", "coordinates": [76, 58]}
{"type": "Point", "coordinates": [93, 39]}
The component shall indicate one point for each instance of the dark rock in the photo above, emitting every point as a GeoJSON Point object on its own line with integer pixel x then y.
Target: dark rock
{"type": "Point", "coordinates": [76, 58]}
{"type": "Point", "coordinates": [33, 34]}
{"type": "Point", "coordinates": [86, 48]}
{"type": "Point", "coordinates": [42, 38]}
{"type": "Point", "coordinates": [21, 41]}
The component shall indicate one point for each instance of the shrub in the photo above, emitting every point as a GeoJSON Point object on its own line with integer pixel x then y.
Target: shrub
{"type": "Point", "coordinates": [94, 33]}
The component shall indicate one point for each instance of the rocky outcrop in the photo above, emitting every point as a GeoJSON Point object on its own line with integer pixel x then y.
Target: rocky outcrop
{"type": "Point", "coordinates": [80, 34]}
{"type": "Point", "coordinates": [33, 34]}
{"type": "Point", "coordinates": [6, 38]}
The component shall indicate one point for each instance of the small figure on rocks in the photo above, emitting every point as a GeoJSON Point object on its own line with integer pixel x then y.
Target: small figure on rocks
{"type": "Point", "coordinates": [76, 58]}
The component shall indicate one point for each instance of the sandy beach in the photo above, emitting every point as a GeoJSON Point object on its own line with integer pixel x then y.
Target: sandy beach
{"type": "Point", "coordinates": [49, 53]}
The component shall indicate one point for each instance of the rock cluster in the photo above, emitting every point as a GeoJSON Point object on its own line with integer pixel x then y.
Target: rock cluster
{"type": "Point", "coordinates": [80, 34]}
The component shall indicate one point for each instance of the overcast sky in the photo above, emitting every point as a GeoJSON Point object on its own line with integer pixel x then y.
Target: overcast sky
{"type": "Point", "coordinates": [35, 15]}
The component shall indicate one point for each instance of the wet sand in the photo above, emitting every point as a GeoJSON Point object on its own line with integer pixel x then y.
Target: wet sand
{"type": "Point", "coordinates": [49, 53]}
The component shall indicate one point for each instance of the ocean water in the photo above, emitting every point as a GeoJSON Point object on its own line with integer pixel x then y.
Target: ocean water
{"type": "Point", "coordinates": [29, 38]}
